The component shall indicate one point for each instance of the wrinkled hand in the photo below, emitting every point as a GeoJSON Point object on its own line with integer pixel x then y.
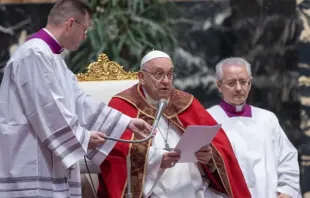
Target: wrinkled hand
{"type": "Point", "coordinates": [169, 159]}
{"type": "Point", "coordinates": [96, 138]}
{"type": "Point", "coordinates": [280, 195]}
{"type": "Point", "coordinates": [204, 155]}
{"type": "Point", "coordinates": [139, 127]}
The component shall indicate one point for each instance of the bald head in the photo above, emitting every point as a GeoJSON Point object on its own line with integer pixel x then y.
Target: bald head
{"type": "Point", "coordinates": [65, 9]}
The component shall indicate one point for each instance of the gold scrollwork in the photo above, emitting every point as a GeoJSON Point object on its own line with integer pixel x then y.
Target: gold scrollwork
{"type": "Point", "coordinates": [104, 69]}
{"type": "Point", "coordinates": [304, 81]}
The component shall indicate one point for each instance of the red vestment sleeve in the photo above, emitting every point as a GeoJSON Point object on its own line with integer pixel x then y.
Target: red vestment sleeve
{"type": "Point", "coordinates": [113, 169]}
{"type": "Point", "coordinates": [196, 114]}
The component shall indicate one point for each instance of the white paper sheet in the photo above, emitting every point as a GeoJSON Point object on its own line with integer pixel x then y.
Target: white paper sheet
{"type": "Point", "coordinates": [194, 138]}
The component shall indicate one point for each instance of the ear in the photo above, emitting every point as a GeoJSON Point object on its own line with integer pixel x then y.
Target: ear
{"type": "Point", "coordinates": [250, 84]}
{"type": "Point", "coordinates": [70, 22]}
{"type": "Point", "coordinates": [141, 77]}
{"type": "Point", "coordinates": [218, 83]}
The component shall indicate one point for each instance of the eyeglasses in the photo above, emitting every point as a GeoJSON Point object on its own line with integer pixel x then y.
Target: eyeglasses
{"type": "Point", "coordinates": [234, 83]}
{"type": "Point", "coordinates": [161, 75]}
{"type": "Point", "coordinates": [85, 28]}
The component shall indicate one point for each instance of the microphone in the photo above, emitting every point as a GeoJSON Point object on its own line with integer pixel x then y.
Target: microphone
{"type": "Point", "coordinates": [162, 104]}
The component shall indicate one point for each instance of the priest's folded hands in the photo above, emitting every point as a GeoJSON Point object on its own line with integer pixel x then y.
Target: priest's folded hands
{"type": "Point", "coordinates": [204, 155]}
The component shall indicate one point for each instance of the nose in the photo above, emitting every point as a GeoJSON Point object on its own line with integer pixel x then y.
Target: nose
{"type": "Point", "coordinates": [238, 86]}
{"type": "Point", "coordinates": [165, 80]}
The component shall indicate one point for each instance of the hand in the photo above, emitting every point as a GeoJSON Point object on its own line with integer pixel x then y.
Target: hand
{"type": "Point", "coordinates": [280, 195]}
{"type": "Point", "coordinates": [139, 127]}
{"type": "Point", "coordinates": [169, 159]}
{"type": "Point", "coordinates": [204, 155]}
{"type": "Point", "coordinates": [96, 138]}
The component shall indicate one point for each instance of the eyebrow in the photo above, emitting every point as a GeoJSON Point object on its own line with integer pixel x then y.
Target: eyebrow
{"type": "Point", "coordinates": [161, 69]}
{"type": "Point", "coordinates": [231, 79]}
{"type": "Point", "coordinates": [159, 65]}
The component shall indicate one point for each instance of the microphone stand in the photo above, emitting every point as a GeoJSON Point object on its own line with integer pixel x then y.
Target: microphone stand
{"type": "Point", "coordinates": [128, 163]}
{"type": "Point", "coordinates": [128, 160]}
{"type": "Point", "coordinates": [128, 166]}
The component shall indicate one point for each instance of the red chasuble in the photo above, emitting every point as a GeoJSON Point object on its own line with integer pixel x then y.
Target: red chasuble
{"type": "Point", "coordinates": [183, 110]}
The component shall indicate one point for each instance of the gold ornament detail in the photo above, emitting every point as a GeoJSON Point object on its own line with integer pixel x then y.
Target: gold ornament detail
{"type": "Point", "coordinates": [104, 69]}
{"type": "Point", "coordinates": [304, 81]}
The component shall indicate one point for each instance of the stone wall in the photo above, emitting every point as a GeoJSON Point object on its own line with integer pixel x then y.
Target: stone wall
{"type": "Point", "coordinates": [265, 32]}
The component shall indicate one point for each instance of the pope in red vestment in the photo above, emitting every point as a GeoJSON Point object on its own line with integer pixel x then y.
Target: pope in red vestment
{"type": "Point", "coordinates": [222, 171]}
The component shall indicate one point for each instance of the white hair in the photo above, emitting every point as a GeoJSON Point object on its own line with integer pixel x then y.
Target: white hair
{"type": "Point", "coordinates": [232, 61]}
{"type": "Point", "coordinates": [143, 66]}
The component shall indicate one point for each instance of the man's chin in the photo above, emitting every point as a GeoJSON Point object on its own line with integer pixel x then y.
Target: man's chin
{"type": "Point", "coordinates": [164, 96]}
{"type": "Point", "coordinates": [164, 92]}
{"type": "Point", "coordinates": [239, 101]}
{"type": "Point", "coordinates": [74, 48]}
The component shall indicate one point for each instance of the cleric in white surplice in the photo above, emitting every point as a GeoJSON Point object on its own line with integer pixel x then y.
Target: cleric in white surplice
{"type": "Point", "coordinates": [266, 156]}
{"type": "Point", "coordinates": [47, 124]}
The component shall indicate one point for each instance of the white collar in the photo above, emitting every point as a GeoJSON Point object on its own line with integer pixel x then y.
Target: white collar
{"type": "Point", "coordinates": [149, 99]}
{"type": "Point", "coordinates": [238, 108]}
{"type": "Point", "coordinates": [49, 33]}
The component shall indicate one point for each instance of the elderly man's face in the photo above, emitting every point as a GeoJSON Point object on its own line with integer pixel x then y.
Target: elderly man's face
{"type": "Point", "coordinates": [235, 85]}
{"type": "Point", "coordinates": [156, 77]}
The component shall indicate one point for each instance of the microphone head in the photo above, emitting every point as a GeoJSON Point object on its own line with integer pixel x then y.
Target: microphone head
{"type": "Point", "coordinates": [162, 103]}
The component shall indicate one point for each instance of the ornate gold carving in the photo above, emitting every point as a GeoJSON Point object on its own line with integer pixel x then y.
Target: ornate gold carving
{"type": "Point", "coordinates": [304, 81]}
{"type": "Point", "coordinates": [303, 13]}
{"type": "Point", "coordinates": [104, 69]}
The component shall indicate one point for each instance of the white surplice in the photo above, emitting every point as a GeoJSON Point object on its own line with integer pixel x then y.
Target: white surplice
{"type": "Point", "coordinates": [266, 157]}
{"type": "Point", "coordinates": [45, 124]}
{"type": "Point", "coordinates": [183, 180]}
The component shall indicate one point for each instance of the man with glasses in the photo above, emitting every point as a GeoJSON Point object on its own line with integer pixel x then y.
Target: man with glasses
{"type": "Point", "coordinates": [267, 158]}
{"type": "Point", "coordinates": [48, 124]}
{"type": "Point", "coordinates": [155, 171]}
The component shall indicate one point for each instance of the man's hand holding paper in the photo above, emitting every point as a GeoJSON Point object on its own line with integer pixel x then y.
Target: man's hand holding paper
{"type": "Point", "coordinates": [204, 155]}
{"type": "Point", "coordinates": [169, 159]}
{"type": "Point", "coordinates": [194, 143]}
